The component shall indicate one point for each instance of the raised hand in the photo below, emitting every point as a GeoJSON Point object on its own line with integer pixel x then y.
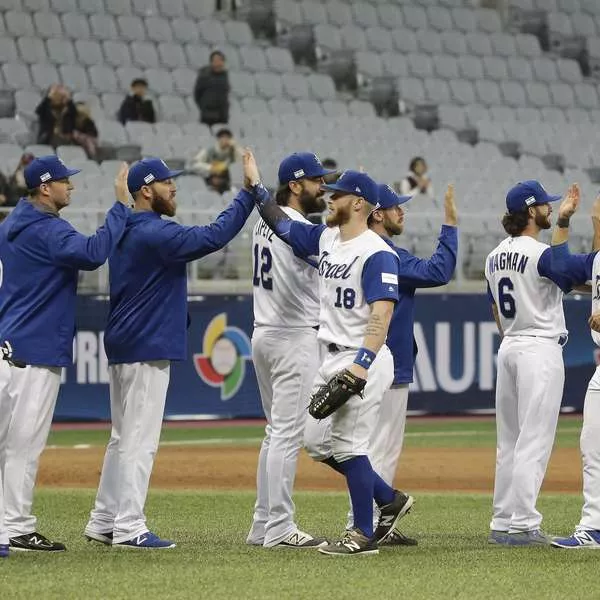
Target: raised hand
{"type": "Point", "coordinates": [251, 174]}
{"type": "Point", "coordinates": [450, 210]}
{"type": "Point", "coordinates": [568, 207]}
{"type": "Point", "coordinates": [121, 190]}
{"type": "Point", "coordinates": [594, 322]}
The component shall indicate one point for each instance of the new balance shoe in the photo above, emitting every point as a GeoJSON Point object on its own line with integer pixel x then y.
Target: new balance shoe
{"type": "Point", "coordinates": [536, 537]}
{"type": "Point", "coordinates": [301, 540]}
{"type": "Point", "coordinates": [588, 539]}
{"type": "Point", "coordinates": [148, 540]}
{"type": "Point", "coordinates": [391, 513]}
{"type": "Point", "coordinates": [33, 542]}
{"type": "Point", "coordinates": [497, 537]}
{"type": "Point", "coordinates": [354, 543]}
{"type": "Point", "coordinates": [397, 538]}
{"type": "Point", "coordinates": [105, 538]}
{"type": "Point", "coordinates": [4, 550]}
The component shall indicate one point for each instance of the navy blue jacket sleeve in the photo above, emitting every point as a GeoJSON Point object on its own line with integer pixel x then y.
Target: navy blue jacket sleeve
{"type": "Point", "coordinates": [302, 237]}
{"type": "Point", "coordinates": [69, 248]}
{"type": "Point", "coordinates": [430, 272]}
{"type": "Point", "coordinates": [566, 270]}
{"type": "Point", "coordinates": [178, 243]}
{"type": "Point", "coordinates": [380, 277]}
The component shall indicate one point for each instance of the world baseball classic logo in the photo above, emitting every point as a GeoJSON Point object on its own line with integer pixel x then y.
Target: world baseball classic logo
{"type": "Point", "coordinates": [225, 350]}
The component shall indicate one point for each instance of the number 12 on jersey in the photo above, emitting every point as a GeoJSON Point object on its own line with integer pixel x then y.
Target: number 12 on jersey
{"type": "Point", "coordinates": [506, 301]}
{"type": "Point", "coordinates": [263, 262]}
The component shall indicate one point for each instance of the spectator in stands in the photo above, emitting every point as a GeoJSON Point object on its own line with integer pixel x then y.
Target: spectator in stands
{"type": "Point", "coordinates": [14, 187]}
{"type": "Point", "coordinates": [56, 117]}
{"type": "Point", "coordinates": [211, 91]}
{"type": "Point", "coordinates": [417, 180]}
{"type": "Point", "coordinates": [136, 107]}
{"type": "Point", "coordinates": [331, 165]}
{"type": "Point", "coordinates": [213, 163]}
{"type": "Point", "coordinates": [85, 133]}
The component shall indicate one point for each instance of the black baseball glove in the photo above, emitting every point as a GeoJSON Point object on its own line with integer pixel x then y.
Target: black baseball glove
{"type": "Point", "coordinates": [335, 393]}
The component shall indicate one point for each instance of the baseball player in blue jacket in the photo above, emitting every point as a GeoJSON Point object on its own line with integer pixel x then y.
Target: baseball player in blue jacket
{"type": "Point", "coordinates": [146, 330]}
{"type": "Point", "coordinates": [40, 257]}
{"type": "Point", "coordinates": [388, 221]}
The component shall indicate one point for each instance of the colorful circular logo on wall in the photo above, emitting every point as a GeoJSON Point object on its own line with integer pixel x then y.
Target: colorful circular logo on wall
{"type": "Point", "coordinates": [225, 351]}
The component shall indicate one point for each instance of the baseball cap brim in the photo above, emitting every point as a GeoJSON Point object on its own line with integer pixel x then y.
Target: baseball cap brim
{"type": "Point", "coordinates": [171, 175]}
{"type": "Point", "coordinates": [336, 189]}
{"type": "Point", "coordinates": [553, 198]}
{"type": "Point", "coordinates": [71, 172]}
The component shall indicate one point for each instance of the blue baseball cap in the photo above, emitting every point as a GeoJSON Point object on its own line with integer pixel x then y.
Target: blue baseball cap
{"type": "Point", "coordinates": [357, 184]}
{"type": "Point", "coordinates": [45, 169]}
{"type": "Point", "coordinates": [299, 165]}
{"type": "Point", "coordinates": [148, 170]}
{"type": "Point", "coordinates": [388, 197]}
{"type": "Point", "coordinates": [527, 193]}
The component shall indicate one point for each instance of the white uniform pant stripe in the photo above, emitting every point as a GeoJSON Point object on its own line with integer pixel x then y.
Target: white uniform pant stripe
{"type": "Point", "coordinates": [285, 362]}
{"type": "Point", "coordinates": [32, 392]}
{"type": "Point", "coordinates": [590, 453]}
{"type": "Point", "coordinates": [528, 396]}
{"type": "Point", "coordinates": [138, 392]}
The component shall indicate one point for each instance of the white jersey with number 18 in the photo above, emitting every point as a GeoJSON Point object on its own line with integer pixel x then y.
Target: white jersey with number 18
{"type": "Point", "coordinates": [285, 287]}
{"type": "Point", "coordinates": [528, 301]}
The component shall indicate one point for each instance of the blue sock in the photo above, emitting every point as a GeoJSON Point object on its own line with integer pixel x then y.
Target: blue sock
{"type": "Point", "coordinates": [383, 493]}
{"type": "Point", "coordinates": [360, 480]}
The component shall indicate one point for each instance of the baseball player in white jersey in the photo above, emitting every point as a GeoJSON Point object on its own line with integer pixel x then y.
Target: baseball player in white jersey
{"type": "Point", "coordinates": [358, 287]}
{"type": "Point", "coordinates": [587, 533]}
{"type": "Point", "coordinates": [285, 352]}
{"type": "Point", "coordinates": [526, 295]}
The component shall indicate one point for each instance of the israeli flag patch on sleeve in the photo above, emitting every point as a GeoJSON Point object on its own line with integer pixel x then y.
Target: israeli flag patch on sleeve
{"type": "Point", "coordinates": [389, 278]}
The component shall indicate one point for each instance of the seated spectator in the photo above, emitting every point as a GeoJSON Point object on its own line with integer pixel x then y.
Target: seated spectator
{"type": "Point", "coordinates": [136, 107]}
{"type": "Point", "coordinates": [213, 163]}
{"type": "Point", "coordinates": [56, 117]}
{"type": "Point", "coordinates": [211, 91]}
{"type": "Point", "coordinates": [331, 165]}
{"type": "Point", "coordinates": [14, 187]}
{"type": "Point", "coordinates": [416, 181]}
{"type": "Point", "coordinates": [85, 133]}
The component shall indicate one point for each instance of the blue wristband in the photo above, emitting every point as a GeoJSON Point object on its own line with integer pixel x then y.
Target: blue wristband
{"type": "Point", "coordinates": [364, 357]}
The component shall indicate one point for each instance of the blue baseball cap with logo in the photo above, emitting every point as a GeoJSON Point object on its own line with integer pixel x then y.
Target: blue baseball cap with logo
{"type": "Point", "coordinates": [357, 184]}
{"type": "Point", "coordinates": [527, 193]}
{"type": "Point", "coordinates": [148, 170]}
{"type": "Point", "coordinates": [45, 169]}
{"type": "Point", "coordinates": [300, 165]}
{"type": "Point", "coordinates": [388, 197]}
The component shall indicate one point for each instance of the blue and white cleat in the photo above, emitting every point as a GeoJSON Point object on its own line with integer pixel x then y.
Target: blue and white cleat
{"type": "Point", "coordinates": [535, 537]}
{"type": "Point", "coordinates": [497, 537]}
{"type": "Point", "coordinates": [4, 550]}
{"type": "Point", "coordinates": [582, 539]}
{"type": "Point", "coordinates": [148, 541]}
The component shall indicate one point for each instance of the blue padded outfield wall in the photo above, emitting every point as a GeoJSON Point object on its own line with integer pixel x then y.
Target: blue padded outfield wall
{"type": "Point", "coordinates": [455, 368]}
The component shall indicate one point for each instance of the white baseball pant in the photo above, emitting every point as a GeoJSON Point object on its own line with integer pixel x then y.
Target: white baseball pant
{"type": "Point", "coordinates": [29, 396]}
{"type": "Point", "coordinates": [285, 361]}
{"type": "Point", "coordinates": [529, 387]}
{"type": "Point", "coordinates": [349, 430]}
{"type": "Point", "coordinates": [138, 392]}
{"type": "Point", "coordinates": [590, 453]}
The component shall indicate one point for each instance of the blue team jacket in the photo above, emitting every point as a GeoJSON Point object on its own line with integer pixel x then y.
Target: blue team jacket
{"type": "Point", "coordinates": [417, 273]}
{"type": "Point", "coordinates": [148, 281]}
{"type": "Point", "coordinates": [40, 256]}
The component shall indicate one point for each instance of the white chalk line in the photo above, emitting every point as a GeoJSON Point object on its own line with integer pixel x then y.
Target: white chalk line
{"type": "Point", "coordinates": [257, 440]}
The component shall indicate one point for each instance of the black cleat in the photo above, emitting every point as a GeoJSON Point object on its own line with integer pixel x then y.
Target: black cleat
{"type": "Point", "coordinates": [391, 513]}
{"type": "Point", "coordinates": [353, 543]}
{"type": "Point", "coordinates": [32, 542]}
{"type": "Point", "coordinates": [396, 538]}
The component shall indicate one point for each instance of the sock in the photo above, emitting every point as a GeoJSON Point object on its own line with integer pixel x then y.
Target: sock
{"type": "Point", "coordinates": [360, 480]}
{"type": "Point", "coordinates": [382, 492]}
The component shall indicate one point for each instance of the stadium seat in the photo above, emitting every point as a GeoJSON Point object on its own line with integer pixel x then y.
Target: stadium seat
{"type": "Point", "coordinates": [313, 12]}
{"type": "Point", "coordinates": [185, 31]}
{"type": "Point", "coordinates": [295, 86]}
{"type": "Point", "coordinates": [281, 106]}
{"type": "Point", "coordinates": [211, 32]}
{"type": "Point", "coordinates": [479, 44]}
{"type": "Point", "coordinates": [544, 69]}
{"type": "Point", "coordinates": [405, 41]}
{"type": "Point", "coordinates": [8, 50]}
{"type": "Point", "coordinates": [158, 29]}
{"type": "Point", "coordinates": [537, 93]}
{"type": "Point", "coordinates": [103, 27]}
{"type": "Point", "coordinates": [364, 15]}
{"type": "Point", "coordinates": [44, 76]}
{"type": "Point", "coordinates": [75, 27]}
{"type": "Point", "coordinates": [453, 42]}
{"type": "Point", "coordinates": [420, 65]}
{"type": "Point", "coordinates": [19, 24]}
{"type": "Point", "coordinates": [569, 70]}
{"type": "Point", "coordinates": [513, 93]}
{"type": "Point", "coordinates": [242, 84]}
{"type": "Point", "coordinates": [436, 90]}
{"type": "Point", "coordinates": [238, 33]}
{"type": "Point", "coordinates": [390, 16]}
{"type": "Point", "coordinates": [116, 54]}
{"type": "Point", "coordinates": [462, 91]}
{"type": "Point", "coordinates": [268, 85]}
{"type": "Point", "coordinates": [16, 76]}
{"type": "Point", "coordinates": [91, 7]}
{"type": "Point", "coordinates": [184, 80]}
{"type": "Point", "coordinates": [503, 44]}
{"type": "Point", "coordinates": [586, 95]}
{"type": "Point", "coordinates": [253, 59]}
{"type": "Point", "coordinates": [411, 90]}
{"type": "Point", "coordinates": [171, 8]}
{"type": "Point", "coordinates": [394, 64]}
{"type": "Point", "coordinates": [414, 17]}
{"type": "Point", "coordinates": [279, 60]}
{"type": "Point", "coordinates": [488, 20]}
{"type": "Point", "coordinates": [144, 8]}
{"type": "Point", "coordinates": [520, 69]}
{"type": "Point", "coordinates": [321, 87]}
{"type": "Point", "coordinates": [495, 68]}
{"type": "Point", "coordinates": [562, 95]}
{"type": "Point", "coordinates": [439, 18]}
{"type": "Point", "coordinates": [470, 67]}
{"type": "Point", "coordinates": [47, 25]}
{"type": "Point", "coordinates": [379, 39]}
{"type": "Point", "coordinates": [89, 53]}
{"type": "Point", "coordinates": [353, 38]}
{"type": "Point", "coordinates": [487, 92]}
{"type": "Point", "coordinates": [465, 19]}
{"type": "Point", "coordinates": [144, 55]}
{"type": "Point", "coordinates": [339, 13]}
{"type": "Point", "coordinates": [429, 42]}
{"type": "Point", "coordinates": [31, 50]}
{"type": "Point", "coordinates": [131, 28]}
{"type": "Point", "coordinates": [197, 55]}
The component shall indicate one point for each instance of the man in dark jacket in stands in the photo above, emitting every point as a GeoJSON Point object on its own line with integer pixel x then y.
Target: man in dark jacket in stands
{"type": "Point", "coordinates": [211, 91]}
{"type": "Point", "coordinates": [136, 107]}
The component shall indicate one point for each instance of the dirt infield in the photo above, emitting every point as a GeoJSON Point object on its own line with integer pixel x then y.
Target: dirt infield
{"type": "Point", "coordinates": [193, 467]}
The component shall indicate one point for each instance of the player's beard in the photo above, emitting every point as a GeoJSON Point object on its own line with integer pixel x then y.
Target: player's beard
{"type": "Point", "coordinates": [311, 204]}
{"type": "Point", "coordinates": [543, 220]}
{"type": "Point", "coordinates": [392, 228]}
{"type": "Point", "coordinates": [163, 206]}
{"type": "Point", "coordinates": [340, 217]}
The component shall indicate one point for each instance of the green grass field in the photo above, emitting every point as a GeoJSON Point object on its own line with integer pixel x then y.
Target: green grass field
{"type": "Point", "coordinates": [212, 561]}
